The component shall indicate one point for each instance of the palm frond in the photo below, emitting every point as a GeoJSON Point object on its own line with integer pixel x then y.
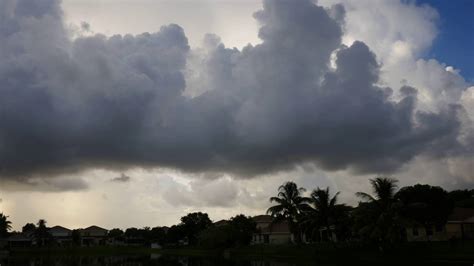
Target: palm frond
{"type": "Point", "coordinates": [365, 196]}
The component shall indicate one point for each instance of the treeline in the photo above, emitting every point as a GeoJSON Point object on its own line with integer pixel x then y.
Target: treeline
{"type": "Point", "coordinates": [382, 215]}
{"type": "Point", "coordinates": [194, 229]}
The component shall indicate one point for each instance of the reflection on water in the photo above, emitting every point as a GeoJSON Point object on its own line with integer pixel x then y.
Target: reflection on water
{"type": "Point", "coordinates": [153, 259]}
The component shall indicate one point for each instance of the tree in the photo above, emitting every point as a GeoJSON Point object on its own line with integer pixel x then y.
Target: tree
{"type": "Point", "coordinates": [323, 212]}
{"type": "Point", "coordinates": [238, 231]}
{"type": "Point", "coordinates": [424, 204]}
{"type": "Point", "coordinates": [462, 198]}
{"type": "Point", "coordinates": [158, 234]}
{"type": "Point", "coordinates": [193, 224]}
{"type": "Point", "coordinates": [217, 237]}
{"type": "Point", "coordinates": [378, 219]}
{"type": "Point", "coordinates": [28, 228]}
{"type": "Point", "coordinates": [175, 234]}
{"type": "Point", "coordinates": [323, 205]}
{"type": "Point", "coordinates": [116, 234]}
{"type": "Point", "coordinates": [290, 207]}
{"type": "Point", "coordinates": [243, 228]}
{"type": "Point", "coordinates": [5, 225]}
{"type": "Point", "coordinates": [384, 190]}
{"type": "Point", "coordinates": [42, 235]}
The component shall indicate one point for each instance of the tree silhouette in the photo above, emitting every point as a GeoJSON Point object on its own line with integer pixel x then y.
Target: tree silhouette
{"type": "Point", "coordinates": [424, 204]}
{"type": "Point", "coordinates": [5, 225]}
{"type": "Point", "coordinates": [193, 224]}
{"type": "Point", "coordinates": [462, 198]}
{"type": "Point", "coordinates": [384, 190]}
{"type": "Point", "coordinates": [290, 206]}
{"type": "Point", "coordinates": [238, 231]}
{"type": "Point", "coordinates": [322, 212]}
{"type": "Point", "coordinates": [28, 228]}
{"type": "Point", "coordinates": [379, 218]}
{"type": "Point", "coordinates": [41, 234]}
{"type": "Point", "coordinates": [243, 228]}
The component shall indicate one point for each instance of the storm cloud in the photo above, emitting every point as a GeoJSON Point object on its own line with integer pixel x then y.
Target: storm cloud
{"type": "Point", "coordinates": [70, 104]}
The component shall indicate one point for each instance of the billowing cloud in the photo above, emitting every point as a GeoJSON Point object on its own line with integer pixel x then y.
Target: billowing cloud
{"type": "Point", "coordinates": [123, 178]}
{"type": "Point", "coordinates": [70, 104]}
{"type": "Point", "coordinates": [221, 192]}
{"type": "Point", "coordinates": [55, 184]}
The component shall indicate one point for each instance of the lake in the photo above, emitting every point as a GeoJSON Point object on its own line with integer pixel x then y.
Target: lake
{"type": "Point", "coordinates": [138, 260]}
{"type": "Point", "coordinates": [167, 260]}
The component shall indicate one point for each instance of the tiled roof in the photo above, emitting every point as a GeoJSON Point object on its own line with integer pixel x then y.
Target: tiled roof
{"type": "Point", "coordinates": [59, 228]}
{"type": "Point", "coordinates": [262, 219]}
{"type": "Point", "coordinates": [268, 225]}
{"type": "Point", "coordinates": [221, 222]}
{"type": "Point", "coordinates": [94, 227]}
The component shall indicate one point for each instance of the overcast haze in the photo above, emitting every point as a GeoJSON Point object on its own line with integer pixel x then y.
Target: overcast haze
{"type": "Point", "coordinates": [137, 112]}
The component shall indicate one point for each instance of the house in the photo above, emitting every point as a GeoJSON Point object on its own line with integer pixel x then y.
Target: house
{"type": "Point", "coordinates": [16, 240]}
{"type": "Point", "coordinates": [270, 232]}
{"type": "Point", "coordinates": [61, 235]}
{"type": "Point", "coordinates": [460, 225]}
{"type": "Point", "coordinates": [93, 236]}
{"type": "Point", "coordinates": [327, 233]}
{"type": "Point", "coordinates": [429, 233]}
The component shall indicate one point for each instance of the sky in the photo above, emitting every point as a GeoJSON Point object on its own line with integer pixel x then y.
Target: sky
{"type": "Point", "coordinates": [452, 37]}
{"type": "Point", "coordinates": [136, 112]}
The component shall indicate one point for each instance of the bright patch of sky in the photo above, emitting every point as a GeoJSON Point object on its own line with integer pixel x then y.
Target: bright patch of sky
{"type": "Point", "coordinates": [455, 41]}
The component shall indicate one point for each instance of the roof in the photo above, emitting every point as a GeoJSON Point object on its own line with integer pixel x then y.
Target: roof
{"type": "Point", "coordinates": [273, 226]}
{"type": "Point", "coordinates": [461, 214]}
{"type": "Point", "coordinates": [221, 223]}
{"type": "Point", "coordinates": [59, 228]}
{"type": "Point", "coordinates": [262, 219]}
{"type": "Point", "coordinates": [94, 228]}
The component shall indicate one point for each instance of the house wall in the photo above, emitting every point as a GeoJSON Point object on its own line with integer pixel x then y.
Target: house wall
{"type": "Point", "coordinates": [94, 233]}
{"type": "Point", "coordinates": [423, 235]}
{"type": "Point", "coordinates": [459, 231]}
{"type": "Point", "coordinates": [469, 230]}
{"type": "Point", "coordinates": [272, 238]}
{"type": "Point", "coordinates": [282, 238]}
{"type": "Point", "coordinates": [60, 233]}
{"type": "Point", "coordinates": [453, 231]}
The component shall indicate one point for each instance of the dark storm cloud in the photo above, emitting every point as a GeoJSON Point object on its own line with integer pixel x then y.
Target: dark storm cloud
{"type": "Point", "coordinates": [118, 102]}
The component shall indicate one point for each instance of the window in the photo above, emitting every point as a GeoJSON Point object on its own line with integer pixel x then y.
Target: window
{"type": "Point", "coordinates": [415, 231]}
{"type": "Point", "coordinates": [439, 228]}
{"type": "Point", "coordinates": [429, 230]}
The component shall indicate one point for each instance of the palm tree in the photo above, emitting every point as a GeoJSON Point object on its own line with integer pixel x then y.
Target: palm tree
{"type": "Point", "coordinates": [290, 206]}
{"type": "Point", "coordinates": [379, 218]}
{"type": "Point", "coordinates": [5, 225]}
{"type": "Point", "coordinates": [41, 232]}
{"type": "Point", "coordinates": [384, 190]}
{"type": "Point", "coordinates": [322, 212]}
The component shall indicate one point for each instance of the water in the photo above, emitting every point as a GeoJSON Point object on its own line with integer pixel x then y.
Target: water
{"type": "Point", "coordinates": [158, 260]}
{"type": "Point", "coordinates": [143, 260]}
